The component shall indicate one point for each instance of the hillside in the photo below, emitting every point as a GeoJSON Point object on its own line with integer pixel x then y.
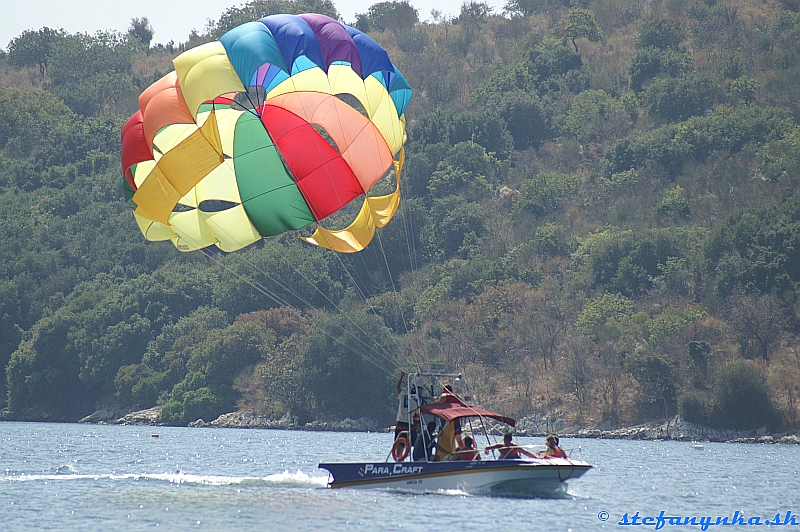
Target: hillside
{"type": "Point", "coordinates": [600, 222]}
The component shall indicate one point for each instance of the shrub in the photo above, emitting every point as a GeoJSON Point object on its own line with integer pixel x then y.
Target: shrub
{"type": "Point", "coordinates": [693, 407]}
{"type": "Point", "coordinates": [741, 399]}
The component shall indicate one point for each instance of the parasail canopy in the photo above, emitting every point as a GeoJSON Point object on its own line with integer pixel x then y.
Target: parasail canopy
{"type": "Point", "coordinates": [276, 126]}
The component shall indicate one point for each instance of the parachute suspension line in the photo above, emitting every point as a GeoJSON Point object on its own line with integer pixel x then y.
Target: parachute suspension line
{"type": "Point", "coordinates": [391, 279]}
{"type": "Point", "coordinates": [385, 354]}
{"type": "Point", "coordinates": [360, 292]}
{"type": "Point", "coordinates": [365, 284]}
{"type": "Point", "coordinates": [386, 261]}
{"type": "Point", "coordinates": [263, 290]}
{"type": "Point", "coordinates": [388, 356]}
{"type": "Point", "coordinates": [254, 284]}
{"type": "Point", "coordinates": [408, 229]}
{"type": "Point", "coordinates": [352, 280]}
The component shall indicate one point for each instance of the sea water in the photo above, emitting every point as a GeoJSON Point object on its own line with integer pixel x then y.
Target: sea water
{"type": "Point", "coordinates": [102, 477]}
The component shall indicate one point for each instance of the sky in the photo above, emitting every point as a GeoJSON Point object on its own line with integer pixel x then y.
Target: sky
{"type": "Point", "coordinates": [172, 20]}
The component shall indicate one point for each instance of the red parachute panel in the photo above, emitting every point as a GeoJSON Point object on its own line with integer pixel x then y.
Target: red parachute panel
{"type": "Point", "coordinates": [322, 175]}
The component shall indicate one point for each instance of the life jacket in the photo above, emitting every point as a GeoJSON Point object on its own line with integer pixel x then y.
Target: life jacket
{"type": "Point", "coordinates": [445, 443]}
{"type": "Point", "coordinates": [469, 454]}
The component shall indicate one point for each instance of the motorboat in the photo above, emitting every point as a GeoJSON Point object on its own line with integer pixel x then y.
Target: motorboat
{"type": "Point", "coordinates": [438, 469]}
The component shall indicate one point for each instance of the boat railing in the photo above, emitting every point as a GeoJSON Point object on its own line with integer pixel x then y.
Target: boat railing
{"type": "Point", "coordinates": [577, 450]}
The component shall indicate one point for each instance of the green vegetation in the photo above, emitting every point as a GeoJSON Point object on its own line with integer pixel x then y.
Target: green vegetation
{"type": "Point", "coordinates": [600, 221]}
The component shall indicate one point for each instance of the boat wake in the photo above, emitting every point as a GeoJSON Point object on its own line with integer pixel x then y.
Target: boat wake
{"type": "Point", "coordinates": [285, 479]}
{"type": "Point", "coordinates": [510, 493]}
{"type": "Point", "coordinates": [530, 493]}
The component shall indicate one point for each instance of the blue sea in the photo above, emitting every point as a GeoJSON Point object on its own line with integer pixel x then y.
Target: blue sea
{"type": "Point", "coordinates": [103, 477]}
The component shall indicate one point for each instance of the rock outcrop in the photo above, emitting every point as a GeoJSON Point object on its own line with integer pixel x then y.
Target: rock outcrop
{"type": "Point", "coordinates": [675, 429]}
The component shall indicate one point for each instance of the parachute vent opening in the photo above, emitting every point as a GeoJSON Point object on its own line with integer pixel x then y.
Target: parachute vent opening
{"type": "Point", "coordinates": [386, 184]}
{"type": "Point", "coordinates": [345, 215]}
{"type": "Point", "coordinates": [216, 205]}
{"type": "Point", "coordinates": [179, 207]}
{"type": "Point", "coordinates": [324, 134]}
{"type": "Point", "coordinates": [353, 102]}
{"type": "Point", "coordinates": [248, 101]}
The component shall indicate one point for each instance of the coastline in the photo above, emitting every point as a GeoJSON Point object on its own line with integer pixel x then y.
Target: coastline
{"type": "Point", "coordinates": [676, 428]}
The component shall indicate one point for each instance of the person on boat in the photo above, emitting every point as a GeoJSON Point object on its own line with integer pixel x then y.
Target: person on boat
{"type": "Point", "coordinates": [450, 436]}
{"type": "Point", "coordinates": [448, 395]}
{"type": "Point", "coordinates": [553, 450]}
{"type": "Point", "coordinates": [468, 451]}
{"type": "Point", "coordinates": [508, 449]}
{"type": "Point", "coordinates": [406, 402]}
{"type": "Point", "coordinates": [425, 445]}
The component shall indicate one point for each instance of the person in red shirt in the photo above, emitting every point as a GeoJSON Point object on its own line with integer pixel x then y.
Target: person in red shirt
{"type": "Point", "coordinates": [469, 451]}
{"type": "Point", "coordinates": [508, 449]}
{"type": "Point", "coordinates": [553, 450]}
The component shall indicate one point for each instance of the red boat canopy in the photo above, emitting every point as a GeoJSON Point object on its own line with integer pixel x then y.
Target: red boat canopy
{"type": "Point", "coordinates": [451, 411]}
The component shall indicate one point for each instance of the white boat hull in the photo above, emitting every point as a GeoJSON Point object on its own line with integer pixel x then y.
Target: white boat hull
{"type": "Point", "coordinates": [489, 476]}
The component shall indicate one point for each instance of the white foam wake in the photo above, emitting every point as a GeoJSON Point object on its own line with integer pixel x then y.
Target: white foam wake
{"type": "Point", "coordinates": [284, 479]}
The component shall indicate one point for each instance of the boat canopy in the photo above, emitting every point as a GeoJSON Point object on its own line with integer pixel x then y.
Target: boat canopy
{"type": "Point", "coordinates": [451, 411]}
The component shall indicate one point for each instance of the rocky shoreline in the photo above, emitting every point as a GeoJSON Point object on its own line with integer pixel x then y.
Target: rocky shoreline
{"type": "Point", "coordinates": [675, 428]}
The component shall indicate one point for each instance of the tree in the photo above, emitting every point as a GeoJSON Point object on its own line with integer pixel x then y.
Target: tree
{"type": "Point", "coordinates": [675, 203]}
{"type": "Point", "coordinates": [141, 30]}
{"type": "Point", "coordinates": [257, 9]}
{"type": "Point", "coordinates": [673, 145]}
{"type": "Point", "coordinates": [34, 47]}
{"type": "Point", "coordinates": [227, 352]}
{"type": "Point", "coordinates": [348, 367]}
{"type": "Point", "coordinates": [548, 324]}
{"type": "Point", "coordinates": [290, 273]}
{"type": "Point", "coordinates": [779, 160]}
{"type": "Point", "coordinates": [543, 194]}
{"type": "Point", "coordinates": [758, 323]}
{"type": "Point", "coordinates": [524, 8]}
{"type": "Point", "coordinates": [576, 372]}
{"type": "Point", "coordinates": [651, 62]}
{"type": "Point", "coordinates": [662, 33]}
{"type": "Point", "coordinates": [656, 377]}
{"type": "Point", "coordinates": [454, 226]}
{"type": "Point", "coordinates": [600, 310]}
{"type": "Point", "coordinates": [42, 376]}
{"type": "Point", "coordinates": [77, 57]}
{"type": "Point", "coordinates": [628, 261]}
{"type": "Point", "coordinates": [525, 116]}
{"type": "Point", "coordinates": [676, 99]}
{"type": "Point", "coordinates": [138, 384]}
{"type": "Point", "coordinates": [756, 249]}
{"type": "Point", "coordinates": [578, 23]}
{"type": "Point", "coordinates": [741, 399]}
{"type": "Point", "coordinates": [473, 12]}
{"type": "Point", "coordinates": [194, 399]}
{"type": "Point", "coordinates": [466, 171]}
{"type": "Point", "coordinates": [550, 60]}
{"type": "Point", "coordinates": [596, 116]}
{"type": "Point", "coordinates": [395, 16]}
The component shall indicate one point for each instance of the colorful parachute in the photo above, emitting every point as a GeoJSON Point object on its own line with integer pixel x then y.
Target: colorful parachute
{"type": "Point", "coordinates": [276, 126]}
